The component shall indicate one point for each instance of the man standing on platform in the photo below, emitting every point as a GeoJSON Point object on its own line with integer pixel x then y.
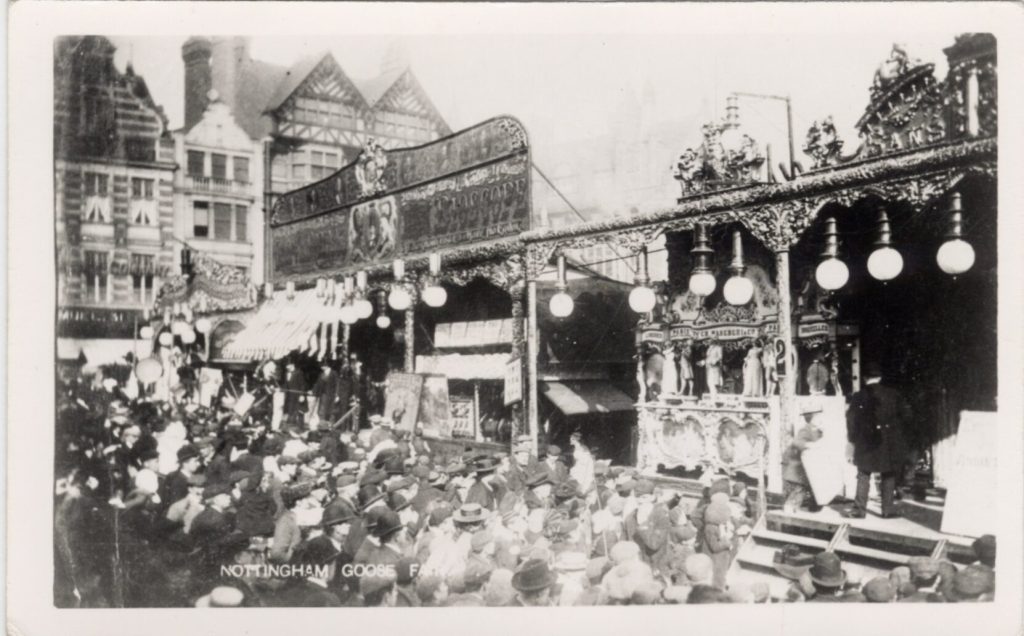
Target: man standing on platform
{"type": "Point", "coordinates": [876, 420]}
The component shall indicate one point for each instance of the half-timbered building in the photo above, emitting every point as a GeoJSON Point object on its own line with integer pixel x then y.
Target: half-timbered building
{"type": "Point", "coordinates": [311, 117]}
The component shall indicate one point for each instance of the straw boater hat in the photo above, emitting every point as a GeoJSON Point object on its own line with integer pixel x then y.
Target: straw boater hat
{"type": "Point", "coordinates": [790, 562]}
{"type": "Point", "coordinates": [470, 513]}
{"type": "Point", "coordinates": [222, 596]}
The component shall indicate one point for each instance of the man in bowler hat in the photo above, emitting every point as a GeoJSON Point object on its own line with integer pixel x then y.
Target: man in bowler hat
{"type": "Point", "coordinates": [876, 421]}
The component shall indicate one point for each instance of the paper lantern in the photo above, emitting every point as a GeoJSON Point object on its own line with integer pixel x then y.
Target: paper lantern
{"type": "Point", "coordinates": [146, 333]}
{"type": "Point", "coordinates": [435, 296]}
{"type": "Point", "coordinates": [188, 336]}
{"type": "Point", "coordinates": [165, 339]}
{"type": "Point", "coordinates": [203, 325]}
{"type": "Point", "coordinates": [383, 322]}
{"type": "Point", "coordinates": [149, 370]}
{"type": "Point", "coordinates": [399, 299]}
{"type": "Point", "coordinates": [364, 308]}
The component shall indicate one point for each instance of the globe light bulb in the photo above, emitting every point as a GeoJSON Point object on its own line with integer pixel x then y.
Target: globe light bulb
{"type": "Point", "coordinates": [738, 290]}
{"type": "Point", "coordinates": [399, 299]}
{"type": "Point", "coordinates": [435, 295]}
{"type": "Point", "coordinates": [955, 257]}
{"type": "Point", "coordinates": [203, 325]}
{"type": "Point", "coordinates": [641, 299]}
{"type": "Point", "coordinates": [146, 333]}
{"type": "Point", "coordinates": [348, 314]}
{"type": "Point", "coordinates": [885, 264]}
{"type": "Point", "coordinates": [364, 308]}
{"type": "Point", "coordinates": [561, 305]}
{"type": "Point", "coordinates": [383, 322]}
{"type": "Point", "coordinates": [165, 339]}
{"type": "Point", "coordinates": [702, 284]}
{"type": "Point", "coordinates": [188, 336]}
{"type": "Point", "coordinates": [832, 274]}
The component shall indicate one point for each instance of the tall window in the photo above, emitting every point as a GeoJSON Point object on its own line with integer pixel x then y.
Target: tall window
{"type": "Point", "coordinates": [219, 166]}
{"type": "Point", "coordinates": [222, 221]}
{"type": "Point", "coordinates": [96, 184]}
{"type": "Point", "coordinates": [196, 161]}
{"type": "Point", "coordinates": [299, 163]}
{"type": "Point", "coordinates": [142, 278]}
{"type": "Point", "coordinates": [142, 189]}
{"type": "Point", "coordinates": [96, 273]}
{"type": "Point", "coordinates": [97, 197]}
{"type": "Point", "coordinates": [241, 223]}
{"type": "Point", "coordinates": [323, 163]}
{"type": "Point", "coordinates": [140, 149]}
{"type": "Point", "coordinates": [143, 206]}
{"type": "Point", "coordinates": [241, 165]}
{"type": "Point", "coordinates": [200, 219]}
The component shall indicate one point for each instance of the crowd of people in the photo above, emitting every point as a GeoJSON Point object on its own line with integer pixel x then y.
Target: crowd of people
{"type": "Point", "coordinates": [170, 504]}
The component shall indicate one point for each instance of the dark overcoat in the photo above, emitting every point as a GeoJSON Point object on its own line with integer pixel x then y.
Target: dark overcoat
{"type": "Point", "coordinates": [876, 425]}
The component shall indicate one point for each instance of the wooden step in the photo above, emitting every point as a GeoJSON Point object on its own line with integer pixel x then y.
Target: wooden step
{"type": "Point", "coordinates": [785, 537]}
{"type": "Point", "coordinates": [871, 553]}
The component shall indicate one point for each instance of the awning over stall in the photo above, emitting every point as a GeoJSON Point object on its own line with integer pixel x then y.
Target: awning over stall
{"type": "Point", "coordinates": [280, 326]}
{"type": "Point", "coordinates": [586, 396]}
{"type": "Point", "coordinates": [465, 366]}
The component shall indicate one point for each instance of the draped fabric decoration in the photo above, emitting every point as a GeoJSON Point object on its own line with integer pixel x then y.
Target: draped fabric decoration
{"type": "Point", "coordinates": [214, 287]}
{"type": "Point", "coordinates": [281, 326]}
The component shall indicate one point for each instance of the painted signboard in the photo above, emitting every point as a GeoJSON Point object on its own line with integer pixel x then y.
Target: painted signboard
{"type": "Point", "coordinates": [471, 186]}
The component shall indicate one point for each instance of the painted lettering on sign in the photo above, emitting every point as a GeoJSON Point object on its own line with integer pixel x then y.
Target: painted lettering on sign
{"type": "Point", "coordinates": [481, 204]}
{"type": "Point", "coordinates": [319, 245]}
{"type": "Point", "coordinates": [472, 186]}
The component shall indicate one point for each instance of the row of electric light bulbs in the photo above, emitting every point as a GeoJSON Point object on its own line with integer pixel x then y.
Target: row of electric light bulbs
{"type": "Point", "coordinates": [954, 257]}
{"type": "Point", "coordinates": [358, 307]}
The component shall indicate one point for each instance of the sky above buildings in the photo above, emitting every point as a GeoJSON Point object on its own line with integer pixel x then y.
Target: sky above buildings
{"type": "Point", "coordinates": [568, 88]}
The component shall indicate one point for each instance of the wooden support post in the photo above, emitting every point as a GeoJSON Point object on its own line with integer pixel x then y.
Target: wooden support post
{"type": "Point", "coordinates": [518, 353]}
{"type": "Point", "coordinates": [410, 338]}
{"type": "Point", "coordinates": [478, 434]}
{"type": "Point", "coordinates": [532, 333]}
{"type": "Point", "coordinates": [787, 384]}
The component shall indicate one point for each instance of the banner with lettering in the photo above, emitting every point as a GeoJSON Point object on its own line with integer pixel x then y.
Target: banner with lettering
{"type": "Point", "coordinates": [472, 186]}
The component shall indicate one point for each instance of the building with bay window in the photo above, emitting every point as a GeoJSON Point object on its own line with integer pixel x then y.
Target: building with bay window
{"type": "Point", "coordinates": [218, 207]}
{"type": "Point", "coordinates": [113, 196]}
{"type": "Point", "coordinates": [311, 118]}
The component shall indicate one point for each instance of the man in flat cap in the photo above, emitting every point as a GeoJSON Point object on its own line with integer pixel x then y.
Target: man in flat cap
{"type": "Point", "coordinates": [554, 465]}
{"type": "Point", "coordinates": [175, 485]}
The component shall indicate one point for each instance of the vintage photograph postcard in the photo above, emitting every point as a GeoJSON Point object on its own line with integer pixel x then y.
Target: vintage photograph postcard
{"type": "Point", "coordinates": [544, 310]}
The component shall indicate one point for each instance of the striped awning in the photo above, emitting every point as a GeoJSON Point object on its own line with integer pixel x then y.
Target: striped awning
{"type": "Point", "coordinates": [462, 366]}
{"type": "Point", "coordinates": [281, 326]}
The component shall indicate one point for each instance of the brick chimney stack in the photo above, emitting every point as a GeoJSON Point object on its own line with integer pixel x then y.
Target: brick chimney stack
{"type": "Point", "coordinates": [197, 53]}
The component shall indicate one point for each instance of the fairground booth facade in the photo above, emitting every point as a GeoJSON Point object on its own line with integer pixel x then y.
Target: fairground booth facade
{"type": "Point", "coordinates": [474, 328]}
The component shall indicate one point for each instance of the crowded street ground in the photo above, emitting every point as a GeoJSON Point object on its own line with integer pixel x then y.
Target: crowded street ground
{"type": "Point", "coordinates": [169, 504]}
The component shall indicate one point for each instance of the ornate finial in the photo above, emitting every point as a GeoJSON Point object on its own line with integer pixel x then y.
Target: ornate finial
{"type": "Point", "coordinates": [823, 143]}
{"type": "Point", "coordinates": [898, 64]}
{"type": "Point", "coordinates": [726, 158]}
{"type": "Point", "coordinates": [370, 169]}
